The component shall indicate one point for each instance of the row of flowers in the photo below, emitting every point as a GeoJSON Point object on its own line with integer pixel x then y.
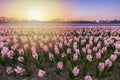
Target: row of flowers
{"type": "Point", "coordinates": [83, 52]}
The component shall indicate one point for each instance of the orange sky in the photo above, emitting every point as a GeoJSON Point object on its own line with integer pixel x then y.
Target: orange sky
{"type": "Point", "coordinates": [28, 9]}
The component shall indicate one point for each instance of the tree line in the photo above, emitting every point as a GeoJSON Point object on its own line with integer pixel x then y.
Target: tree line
{"type": "Point", "coordinates": [14, 20]}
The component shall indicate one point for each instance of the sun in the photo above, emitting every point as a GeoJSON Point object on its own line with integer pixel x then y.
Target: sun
{"type": "Point", "coordinates": [34, 15]}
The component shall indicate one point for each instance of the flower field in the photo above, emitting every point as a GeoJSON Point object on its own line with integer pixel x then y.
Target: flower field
{"type": "Point", "coordinates": [59, 53]}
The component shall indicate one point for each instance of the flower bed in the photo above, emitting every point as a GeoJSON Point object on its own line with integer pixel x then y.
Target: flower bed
{"type": "Point", "coordinates": [64, 53]}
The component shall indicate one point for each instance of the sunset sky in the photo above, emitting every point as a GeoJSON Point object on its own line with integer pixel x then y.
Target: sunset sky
{"type": "Point", "coordinates": [67, 9]}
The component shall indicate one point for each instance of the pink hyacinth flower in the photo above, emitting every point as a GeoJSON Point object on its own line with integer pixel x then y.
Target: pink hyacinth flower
{"type": "Point", "coordinates": [45, 48]}
{"type": "Point", "coordinates": [87, 77]}
{"type": "Point", "coordinates": [68, 50]}
{"type": "Point", "coordinates": [4, 51]}
{"type": "Point", "coordinates": [101, 66]}
{"type": "Point", "coordinates": [108, 63]}
{"type": "Point", "coordinates": [98, 55]}
{"type": "Point", "coordinates": [75, 71]}
{"type": "Point", "coordinates": [113, 57]}
{"type": "Point", "coordinates": [41, 73]}
{"type": "Point", "coordinates": [20, 59]}
{"type": "Point", "coordinates": [19, 70]}
{"type": "Point", "coordinates": [9, 70]}
{"type": "Point", "coordinates": [51, 56]}
{"type": "Point", "coordinates": [75, 57]}
{"type": "Point", "coordinates": [35, 55]}
{"type": "Point", "coordinates": [10, 54]}
{"type": "Point", "coordinates": [89, 58]}
{"type": "Point", "coordinates": [60, 65]}
{"type": "Point", "coordinates": [57, 50]}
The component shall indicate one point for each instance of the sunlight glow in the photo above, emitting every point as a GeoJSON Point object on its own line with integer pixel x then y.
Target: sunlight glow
{"type": "Point", "coordinates": [34, 15]}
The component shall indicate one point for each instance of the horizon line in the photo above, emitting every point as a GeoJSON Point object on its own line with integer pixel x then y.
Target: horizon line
{"type": "Point", "coordinates": [56, 19]}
